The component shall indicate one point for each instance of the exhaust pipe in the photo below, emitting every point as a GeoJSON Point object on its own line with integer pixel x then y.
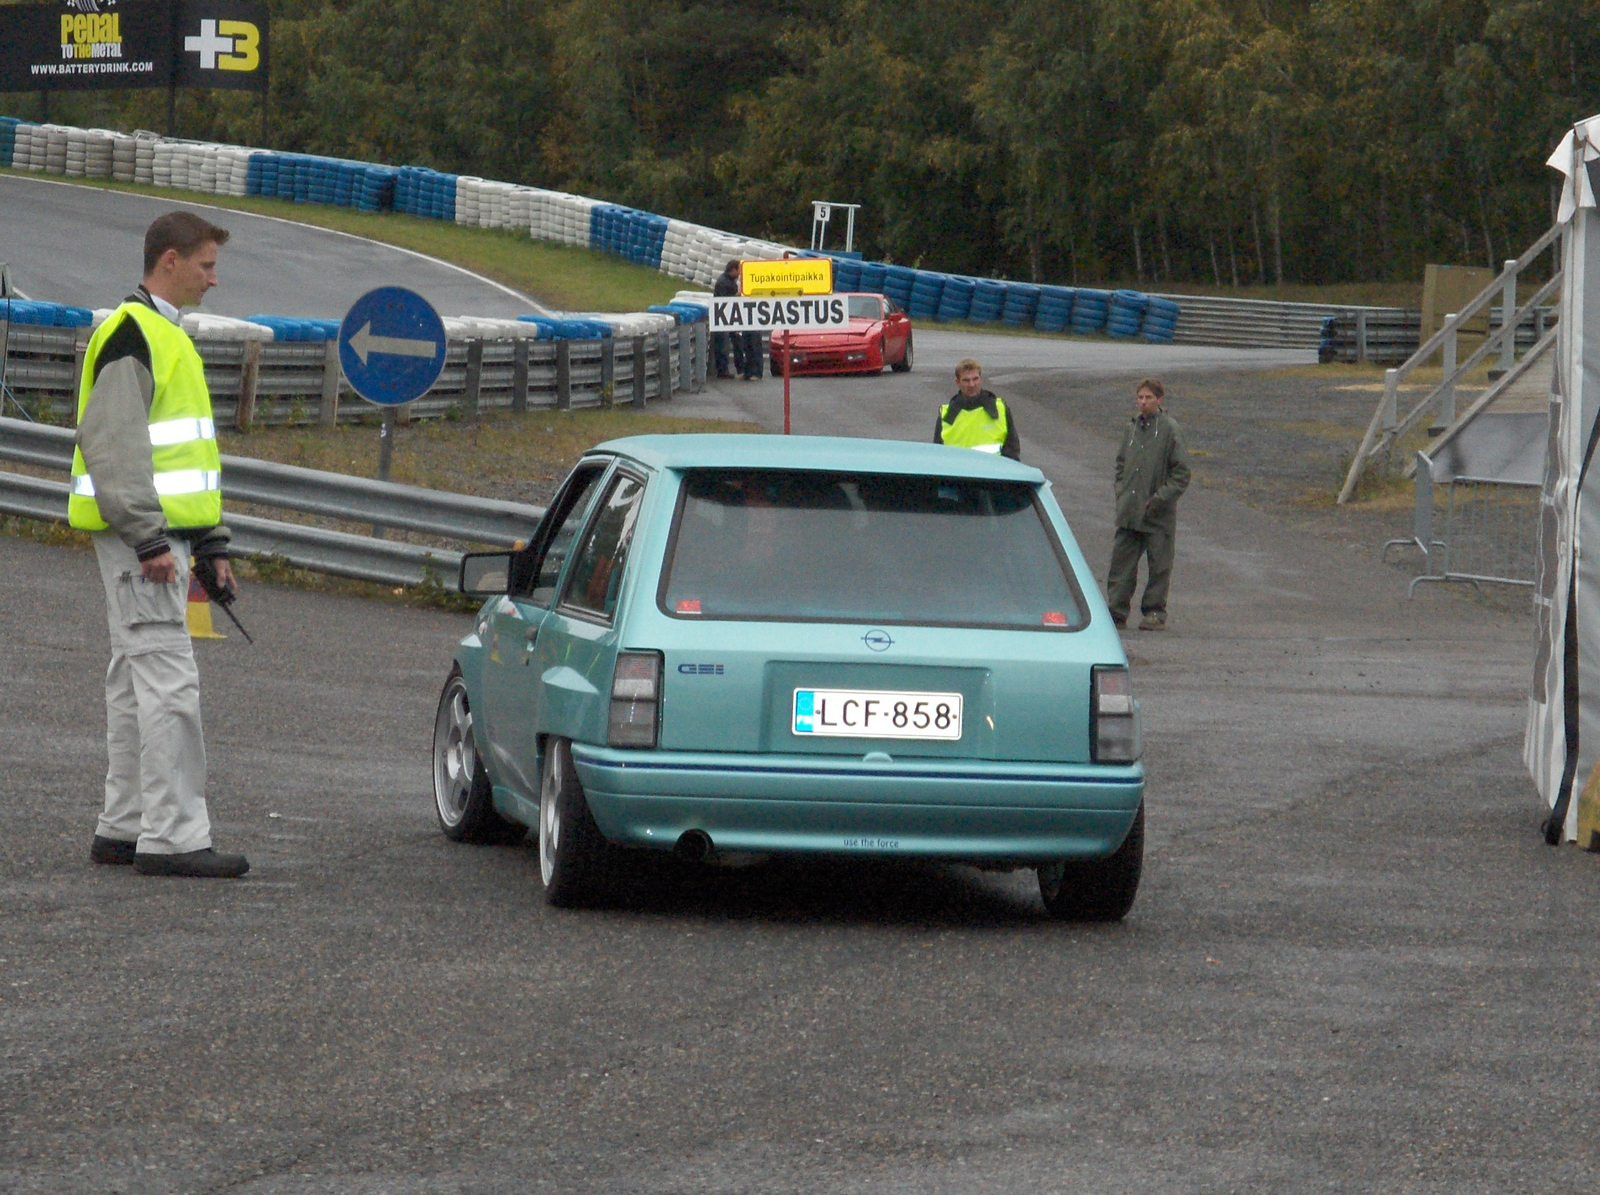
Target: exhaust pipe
{"type": "Point", "coordinates": [694, 846]}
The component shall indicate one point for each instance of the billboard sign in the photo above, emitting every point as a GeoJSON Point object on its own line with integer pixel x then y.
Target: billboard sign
{"type": "Point", "coordinates": [75, 45]}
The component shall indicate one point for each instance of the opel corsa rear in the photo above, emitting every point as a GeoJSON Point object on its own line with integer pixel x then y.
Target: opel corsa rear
{"type": "Point", "coordinates": [793, 645]}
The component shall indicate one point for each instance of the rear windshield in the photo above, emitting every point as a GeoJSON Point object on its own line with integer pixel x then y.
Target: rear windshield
{"type": "Point", "coordinates": [867, 548]}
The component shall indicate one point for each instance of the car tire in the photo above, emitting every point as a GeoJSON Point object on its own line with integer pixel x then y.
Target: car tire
{"type": "Point", "coordinates": [1096, 889]}
{"type": "Point", "coordinates": [462, 797]}
{"type": "Point", "coordinates": [574, 857]}
{"type": "Point", "coordinates": [904, 364]}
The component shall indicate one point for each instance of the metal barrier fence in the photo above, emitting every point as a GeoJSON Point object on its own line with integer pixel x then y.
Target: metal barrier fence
{"type": "Point", "coordinates": [1250, 323]}
{"type": "Point", "coordinates": [1490, 533]}
{"type": "Point", "coordinates": [1388, 335]}
{"type": "Point", "coordinates": [1490, 526]}
{"type": "Point", "coordinates": [451, 522]}
{"type": "Point", "coordinates": [273, 382]}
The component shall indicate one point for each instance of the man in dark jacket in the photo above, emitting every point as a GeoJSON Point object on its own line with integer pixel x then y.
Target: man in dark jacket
{"type": "Point", "coordinates": [1152, 472]}
{"type": "Point", "coordinates": [727, 286]}
{"type": "Point", "coordinates": [975, 417]}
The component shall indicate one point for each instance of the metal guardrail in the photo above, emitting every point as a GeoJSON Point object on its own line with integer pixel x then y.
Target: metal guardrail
{"type": "Point", "coordinates": [1253, 323]}
{"type": "Point", "coordinates": [274, 382]}
{"type": "Point", "coordinates": [459, 519]}
{"type": "Point", "coordinates": [1388, 336]}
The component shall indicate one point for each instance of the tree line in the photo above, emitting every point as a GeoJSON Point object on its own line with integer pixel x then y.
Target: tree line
{"type": "Point", "coordinates": [1218, 142]}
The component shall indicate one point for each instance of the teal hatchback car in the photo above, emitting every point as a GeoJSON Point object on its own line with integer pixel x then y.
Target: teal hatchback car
{"type": "Point", "coordinates": [722, 645]}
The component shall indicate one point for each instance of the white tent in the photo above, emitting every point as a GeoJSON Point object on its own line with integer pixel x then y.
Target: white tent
{"type": "Point", "coordinates": [1561, 743]}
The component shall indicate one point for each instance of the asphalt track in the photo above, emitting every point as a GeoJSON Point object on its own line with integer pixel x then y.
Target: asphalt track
{"type": "Point", "coordinates": [75, 245]}
{"type": "Point", "coordinates": [1353, 965]}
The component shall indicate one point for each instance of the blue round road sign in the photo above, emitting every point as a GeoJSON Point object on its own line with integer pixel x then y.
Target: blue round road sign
{"type": "Point", "coordinates": [391, 346]}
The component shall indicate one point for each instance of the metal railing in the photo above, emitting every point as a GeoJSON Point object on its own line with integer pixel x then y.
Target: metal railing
{"type": "Point", "coordinates": [273, 382]}
{"type": "Point", "coordinates": [1387, 426]}
{"type": "Point", "coordinates": [1253, 323]}
{"type": "Point", "coordinates": [1387, 336]}
{"type": "Point", "coordinates": [460, 520]}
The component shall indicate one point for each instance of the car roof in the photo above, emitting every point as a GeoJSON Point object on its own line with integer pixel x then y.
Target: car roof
{"type": "Point", "coordinates": [845, 453]}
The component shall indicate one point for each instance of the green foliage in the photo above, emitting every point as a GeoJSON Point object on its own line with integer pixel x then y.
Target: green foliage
{"type": "Point", "coordinates": [1228, 142]}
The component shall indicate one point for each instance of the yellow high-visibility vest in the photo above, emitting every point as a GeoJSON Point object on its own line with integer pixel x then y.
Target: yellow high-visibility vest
{"type": "Point", "coordinates": [974, 428]}
{"type": "Point", "coordinates": [183, 436]}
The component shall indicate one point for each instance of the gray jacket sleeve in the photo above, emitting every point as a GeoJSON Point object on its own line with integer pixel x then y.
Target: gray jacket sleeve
{"type": "Point", "coordinates": [114, 435]}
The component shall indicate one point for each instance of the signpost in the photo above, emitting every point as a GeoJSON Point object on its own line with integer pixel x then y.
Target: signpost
{"type": "Point", "coordinates": [391, 349]}
{"type": "Point", "coordinates": [782, 296]}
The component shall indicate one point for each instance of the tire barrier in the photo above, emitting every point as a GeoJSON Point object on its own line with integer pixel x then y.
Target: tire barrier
{"type": "Point", "coordinates": [1125, 315]}
{"type": "Point", "coordinates": [897, 284]}
{"type": "Point", "coordinates": [1055, 308]}
{"type": "Point", "coordinates": [8, 138]}
{"type": "Point", "coordinates": [1089, 311]}
{"type": "Point", "coordinates": [1021, 304]}
{"type": "Point", "coordinates": [313, 331]}
{"type": "Point", "coordinates": [421, 191]}
{"type": "Point", "coordinates": [955, 301]}
{"type": "Point", "coordinates": [44, 315]}
{"type": "Point", "coordinates": [692, 252]}
{"type": "Point", "coordinates": [988, 300]}
{"type": "Point", "coordinates": [927, 292]}
{"type": "Point", "coordinates": [1160, 321]}
{"type": "Point", "coordinates": [637, 236]}
{"type": "Point", "coordinates": [305, 178]}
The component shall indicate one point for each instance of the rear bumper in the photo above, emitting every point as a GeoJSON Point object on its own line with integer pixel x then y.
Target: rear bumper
{"type": "Point", "coordinates": [983, 812]}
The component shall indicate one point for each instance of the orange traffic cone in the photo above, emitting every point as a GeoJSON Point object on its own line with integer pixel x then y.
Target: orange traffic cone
{"type": "Point", "coordinates": [199, 612]}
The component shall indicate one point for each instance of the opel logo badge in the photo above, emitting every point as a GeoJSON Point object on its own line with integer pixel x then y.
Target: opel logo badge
{"type": "Point", "coordinates": [877, 640]}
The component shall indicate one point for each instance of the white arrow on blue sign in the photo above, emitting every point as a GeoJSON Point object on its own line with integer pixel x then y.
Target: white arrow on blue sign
{"type": "Point", "coordinates": [391, 346]}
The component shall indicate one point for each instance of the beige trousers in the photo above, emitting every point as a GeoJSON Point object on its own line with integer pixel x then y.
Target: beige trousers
{"type": "Point", "coordinates": [156, 778]}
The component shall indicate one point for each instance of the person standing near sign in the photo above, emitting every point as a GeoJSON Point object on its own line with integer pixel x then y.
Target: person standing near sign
{"type": "Point", "coordinates": [975, 417]}
{"type": "Point", "coordinates": [146, 485]}
{"type": "Point", "coordinates": [1152, 473]}
{"type": "Point", "coordinates": [727, 287]}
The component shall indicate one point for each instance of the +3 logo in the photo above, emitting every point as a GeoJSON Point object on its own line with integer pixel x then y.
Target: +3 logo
{"type": "Point", "coordinates": [226, 45]}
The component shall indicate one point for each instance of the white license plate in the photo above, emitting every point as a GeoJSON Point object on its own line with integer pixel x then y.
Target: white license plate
{"type": "Point", "coordinates": [872, 714]}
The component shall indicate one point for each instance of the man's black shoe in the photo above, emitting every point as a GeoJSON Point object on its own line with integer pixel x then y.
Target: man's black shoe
{"type": "Point", "coordinates": [206, 863]}
{"type": "Point", "coordinates": [111, 850]}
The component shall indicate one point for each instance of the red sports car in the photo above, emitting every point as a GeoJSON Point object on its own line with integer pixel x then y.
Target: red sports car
{"type": "Point", "coordinates": [879, 335]}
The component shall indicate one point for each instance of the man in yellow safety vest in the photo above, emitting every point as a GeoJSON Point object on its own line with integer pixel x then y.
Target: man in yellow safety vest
{"type": "Point", "coordinates": [975, 417]}
{"type": "Point", "coordinates": [147, 486]}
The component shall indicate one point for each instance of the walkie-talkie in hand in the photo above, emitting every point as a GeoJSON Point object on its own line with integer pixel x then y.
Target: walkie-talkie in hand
{"type": "Point", "coordinates": [205, 569]}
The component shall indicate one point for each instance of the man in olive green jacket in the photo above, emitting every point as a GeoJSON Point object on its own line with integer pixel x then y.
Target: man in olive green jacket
{"type": "Point", "coordinates": [1152, 472]}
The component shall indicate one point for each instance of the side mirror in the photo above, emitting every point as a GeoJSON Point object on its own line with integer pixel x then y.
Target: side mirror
{"type": "Point", "coordinates": [484, 574]}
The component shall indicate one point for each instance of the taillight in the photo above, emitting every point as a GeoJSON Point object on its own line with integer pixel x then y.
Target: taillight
{"type": "Point", "coordinates": [1115, 716]}
{"type": "Point", "coordinates": [635, 699]}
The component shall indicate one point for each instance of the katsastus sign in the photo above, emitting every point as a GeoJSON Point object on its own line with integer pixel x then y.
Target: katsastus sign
{"type": "Point", "coordinates": [74, 45]}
